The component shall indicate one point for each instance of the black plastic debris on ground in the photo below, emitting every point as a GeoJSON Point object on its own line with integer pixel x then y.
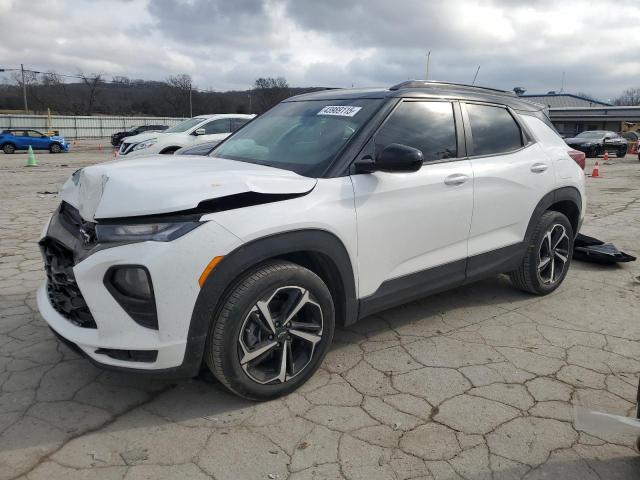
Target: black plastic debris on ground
{"type": "Point", "coordinates": [589, 249]}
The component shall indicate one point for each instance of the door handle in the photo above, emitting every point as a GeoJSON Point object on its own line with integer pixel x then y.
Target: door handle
{"type": "Point", "coordinates": [539, 167]}
{"type": "Point", "coordinates": [456, 179]}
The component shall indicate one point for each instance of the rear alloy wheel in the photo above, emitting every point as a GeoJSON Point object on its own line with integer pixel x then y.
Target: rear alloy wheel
{"type": "Point", "coordinates": [272, 331]}
{"type": "Point", "coordinates": [55, 148]}
{"type": "Point", "coordinates": [8, 148]}
{"type": "Point", "coordinates": [548, 255]}
{"type": "Point", "coordinates": [553, 255]}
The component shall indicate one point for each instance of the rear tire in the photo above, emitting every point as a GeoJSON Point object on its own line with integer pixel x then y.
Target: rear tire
{"type": "Point", "coordinates": [55, 148]}
{"type": "Point", "coordinates": [548, 255]}
{"type": "Point", "coordinates": [253, 319]}
{"type": "Point", "coordinates": [8, 148]}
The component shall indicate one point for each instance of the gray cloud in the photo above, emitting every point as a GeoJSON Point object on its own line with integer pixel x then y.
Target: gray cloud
{"type": "Point", "coordinates": [227, 44]}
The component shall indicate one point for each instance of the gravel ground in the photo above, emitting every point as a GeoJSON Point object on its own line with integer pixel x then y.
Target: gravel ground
{"type": "Point", "coordinates": [479, 382]}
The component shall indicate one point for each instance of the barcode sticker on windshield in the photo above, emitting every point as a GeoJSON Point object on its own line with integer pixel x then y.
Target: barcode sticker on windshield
{"type": "Point", "coordinates": [339, 110]}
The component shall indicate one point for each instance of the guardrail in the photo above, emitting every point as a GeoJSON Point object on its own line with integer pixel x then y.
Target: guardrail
{"type": "Point", "coordinates": [71, 126]}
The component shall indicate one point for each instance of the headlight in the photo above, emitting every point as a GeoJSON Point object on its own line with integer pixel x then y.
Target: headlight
{"type": "Point", "coordinates": [156, 232]}
{"type": "Point", "coordinates": [145, 144]}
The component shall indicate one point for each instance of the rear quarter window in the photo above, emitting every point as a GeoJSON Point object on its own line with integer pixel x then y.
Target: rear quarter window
{"type": "Point", "coordinates": [542, 132]}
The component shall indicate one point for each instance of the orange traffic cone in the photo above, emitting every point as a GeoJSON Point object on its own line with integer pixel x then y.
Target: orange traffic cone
{"type": "Point", "coordinates": [596, 170]}
{"type": "Point", "coordinates": [100, 146]}
{"type": "Point", "coordinates": [605, 158]}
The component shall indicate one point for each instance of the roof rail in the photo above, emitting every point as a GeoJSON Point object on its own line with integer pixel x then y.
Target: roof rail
{"type": "Point", "coordinates": [431, 83]}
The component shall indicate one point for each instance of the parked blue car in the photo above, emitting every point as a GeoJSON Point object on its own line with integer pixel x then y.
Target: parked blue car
{"type": "Point", "coordinates": [20, 139]}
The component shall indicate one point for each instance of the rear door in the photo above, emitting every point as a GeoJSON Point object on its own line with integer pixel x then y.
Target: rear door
{"type": "Point", "coordinates": [411, 223]}
{"type": "Point", "coordinates": [511, 175]}
{"type": "Point", "coordinates": [20, 139]}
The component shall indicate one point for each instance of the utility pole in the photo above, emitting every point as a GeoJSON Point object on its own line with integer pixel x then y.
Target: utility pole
{"type": "Point", "coordinates": [428, 58]}
{"type": "Point", "coordinates": [250, 92]}
{"type": "Point", "coordinates": [190, 101]}
{"type": "Point", "coordinates": [24, 90]}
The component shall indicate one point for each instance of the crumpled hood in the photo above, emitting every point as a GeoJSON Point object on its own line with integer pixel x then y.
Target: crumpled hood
{"type": "Point", "coordinates": [165, 184]}
{"type": "Point", "coordinates": [57, 138]}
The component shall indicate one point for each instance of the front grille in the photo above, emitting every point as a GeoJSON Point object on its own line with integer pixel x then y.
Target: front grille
{"type": "Point", "coordinates": [64, 295]}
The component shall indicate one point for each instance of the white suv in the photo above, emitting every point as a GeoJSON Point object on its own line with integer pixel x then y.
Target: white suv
{"type": "Point", "coordinates": [329, 207]}
{"type": "Point", "coordinates": [200, 129]}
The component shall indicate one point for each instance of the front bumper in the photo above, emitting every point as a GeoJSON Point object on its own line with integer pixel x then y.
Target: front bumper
{"type": "Point", "coordinates": [174, 268]}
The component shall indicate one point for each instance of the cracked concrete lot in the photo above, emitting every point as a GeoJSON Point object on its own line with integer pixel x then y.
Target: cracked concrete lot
{"type": "Point", "coordinates": [479, 382]}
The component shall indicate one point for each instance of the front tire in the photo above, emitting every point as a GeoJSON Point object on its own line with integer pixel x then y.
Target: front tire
{"type": "Point", "coordinates": [55, 148]}
{"type": "Point", "coordinates": [272, 332]}
{"type": "Point", "coordinates": [548, 255]}
{"type": "Point", "coordinates": [621, 153]}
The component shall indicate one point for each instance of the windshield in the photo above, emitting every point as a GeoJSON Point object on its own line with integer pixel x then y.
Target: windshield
{"type": "Point", "coordinates": [184, 126]}
{"type": "Point", "coordinates": [300, 136]}
{"type": "Point", "coordinates": [590, 135]}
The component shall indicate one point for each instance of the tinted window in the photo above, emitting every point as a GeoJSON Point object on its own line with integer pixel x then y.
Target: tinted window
{"type": "Point", "coordinates": [236, 123]}
{"type": "Point", "coordinates": [493, 129]}
{"type": "Point", "coordinates": [17, 133]}
{"type": "Point", "coordinates": [221, 125]}
{"type": "Point", "coordinates": [34, 134]}
{"type": "Point", "coordinates": [427, 126]}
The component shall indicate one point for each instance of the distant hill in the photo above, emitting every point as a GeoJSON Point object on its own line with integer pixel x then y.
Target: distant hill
{"type": "Point", "coordinates": [132, 97]}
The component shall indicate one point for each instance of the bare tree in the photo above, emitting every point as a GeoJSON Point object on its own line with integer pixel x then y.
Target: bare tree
{"type": "Point", "coordinates": [269, 91]}
{"type": "Point", "coordinates": [178, 94]}
{"type": "Point", "coordinates": [92, 83]}
{"type": "Point", "coordinates": [630, 97]}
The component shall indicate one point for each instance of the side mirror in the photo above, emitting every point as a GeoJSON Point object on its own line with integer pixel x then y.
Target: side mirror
{"type": "Point", "coordinates": [395, 157]}
{"type": "Point", "coordinates": [200, 131]}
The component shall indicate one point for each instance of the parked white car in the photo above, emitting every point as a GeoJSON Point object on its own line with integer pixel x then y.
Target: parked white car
{"type": "Point", "coordinates": [200, 129]}
{"type": "Point", "coordinates": [328, 208]}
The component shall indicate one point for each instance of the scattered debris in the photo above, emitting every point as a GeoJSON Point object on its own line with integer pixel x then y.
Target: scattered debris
{"type": "Point", "coordinates": [46, 192]}
{"type": "Point", "coordinates": [273, 451]}
{"type": "Point", "coordinates": [303, 445]}
{"type": "Point", "coordinates": [589, 249]}
{"type": "Point", "coordinates": [381, 460]}
{"type": "Point", "coordinates": [396, 425]}
{"type": "Point", "coordinates": [272, 476]}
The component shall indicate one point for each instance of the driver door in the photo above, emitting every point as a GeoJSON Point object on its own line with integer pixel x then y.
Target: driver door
{"type": "Point", "coordinates": [215, 130]}
{"type": "Point", "coordinates": [413, 228]}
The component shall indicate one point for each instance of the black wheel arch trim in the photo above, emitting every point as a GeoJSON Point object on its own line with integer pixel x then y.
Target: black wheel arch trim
{"type": "Point", "coordinates": [562, 194]}
{"type": "Point", "coordinates": [246, 256]}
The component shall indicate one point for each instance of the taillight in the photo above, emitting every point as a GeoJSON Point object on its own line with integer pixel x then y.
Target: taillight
{"type": "Point", "coordinates": [578, 157]}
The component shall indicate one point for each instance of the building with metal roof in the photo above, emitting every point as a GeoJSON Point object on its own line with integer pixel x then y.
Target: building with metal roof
{"type": "Point", "coordinates": [564, 100]}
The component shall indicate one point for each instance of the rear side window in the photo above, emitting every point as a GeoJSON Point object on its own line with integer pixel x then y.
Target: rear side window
{"type": "Point", "coordinates": [217, 126]}
{"type": "Point", "coordinates": [427, 126]}
{"type": "Point", "coordinates": [493, 129]}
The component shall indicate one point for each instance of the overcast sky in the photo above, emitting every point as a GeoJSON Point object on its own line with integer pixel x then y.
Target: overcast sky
{"type": "Point", "coordinates": [227, 44]}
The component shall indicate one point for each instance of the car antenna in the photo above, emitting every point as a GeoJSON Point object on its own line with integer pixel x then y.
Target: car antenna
{"type": "Point", "coordinates": [475, 76]}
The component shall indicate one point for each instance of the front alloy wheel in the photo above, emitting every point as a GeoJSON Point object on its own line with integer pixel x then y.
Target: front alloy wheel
{"type": "Point", "coordinates": [553, 255]}
{"type": "Point", "coordinates": [271, 332]}
{"type": "Point", "coordinates": [278, 337]}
